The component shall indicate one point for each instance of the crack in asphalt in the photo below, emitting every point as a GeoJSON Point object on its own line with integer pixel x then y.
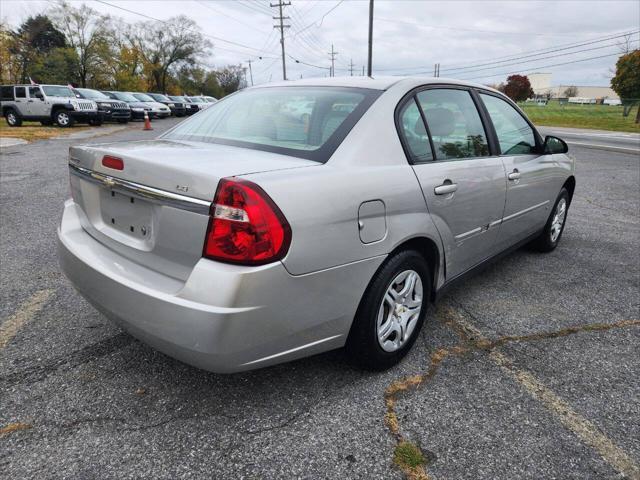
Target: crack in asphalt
{"type": "Point", "coordinates": [84, 355]}
{"type": "Point", "coordinates": [471, 340]}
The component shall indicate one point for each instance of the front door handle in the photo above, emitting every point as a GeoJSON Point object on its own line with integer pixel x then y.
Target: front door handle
{"type": "Point", "coordinates": [447, 187]}
{"type": "Point", "coordinates": [515, 175]}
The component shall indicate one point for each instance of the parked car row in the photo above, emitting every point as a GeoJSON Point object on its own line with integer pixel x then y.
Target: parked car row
{"type": "Point", "coordinates": [64, 105]}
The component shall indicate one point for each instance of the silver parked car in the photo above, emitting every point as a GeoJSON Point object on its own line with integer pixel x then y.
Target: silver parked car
{"type": "Point", "coordinates": [246, 236]}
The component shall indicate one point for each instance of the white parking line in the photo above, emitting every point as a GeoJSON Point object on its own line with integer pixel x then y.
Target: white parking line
{"type": "Point", "coordinates": [25, 313]}
{"type": "Point", "coordinates": [580, 426]}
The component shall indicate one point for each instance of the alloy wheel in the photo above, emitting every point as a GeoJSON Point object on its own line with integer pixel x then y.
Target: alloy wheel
{"type": "Point", "coordinates": [63, 119]}
{"type": "Point", "coordinates": [399, 311]}
{"type": "Point", "coordinates": [558, 219]}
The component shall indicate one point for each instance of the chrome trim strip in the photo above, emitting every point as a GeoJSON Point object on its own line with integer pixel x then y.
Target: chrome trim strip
{"type": "Point", "coordinates": [464, 235]}
{"type": "Point", "coordinates": [286, 352]}
{"type": "Point", "coordinates": [155, 195]}
{"type": "Point", "coordinates": [522, 212]}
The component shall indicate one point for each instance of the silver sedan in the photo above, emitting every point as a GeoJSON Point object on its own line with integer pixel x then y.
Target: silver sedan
{"type": "Point", "coordinates": [295, 218]}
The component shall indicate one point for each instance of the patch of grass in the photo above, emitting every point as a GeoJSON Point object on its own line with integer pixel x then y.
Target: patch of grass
{"type": "Point", "coordinates": [31, 131]}
{"type": "Point", "coordinates": [598, 117]}
{"type": "Point", "coordinates": [408, 456]}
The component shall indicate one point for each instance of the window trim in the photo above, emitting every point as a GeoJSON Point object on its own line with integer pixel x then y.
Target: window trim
{"type": "Point", "coordinates": [536, 134]}
{"type": "Point", "coordinates": [491, 141]}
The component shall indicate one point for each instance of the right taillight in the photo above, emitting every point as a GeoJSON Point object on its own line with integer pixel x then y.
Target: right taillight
{"type": "Point", "coordinates": [245, 226]}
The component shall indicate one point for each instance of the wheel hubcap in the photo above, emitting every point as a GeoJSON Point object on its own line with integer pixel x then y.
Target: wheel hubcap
{"type": "Point", "coordinates": [399, 311]}
{"type": "Point", "coordinates": [558, 219]}
{"type": "Point", "coordinates": [63, 118]}
{"type": "Point", "coordinates": [11, 118]}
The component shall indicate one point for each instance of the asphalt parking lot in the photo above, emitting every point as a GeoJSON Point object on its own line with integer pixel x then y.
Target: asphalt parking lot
{"type": "Point", "coordinates": [528, 370]}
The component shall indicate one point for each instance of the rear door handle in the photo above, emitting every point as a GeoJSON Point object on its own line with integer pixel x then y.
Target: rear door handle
{"type": "Point", "coordinates": [445, 188]}
{"type": "Point", "coordinates": [515, 175]}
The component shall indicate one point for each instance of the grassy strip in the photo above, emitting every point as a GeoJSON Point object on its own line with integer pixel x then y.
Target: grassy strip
{"type": "Point", "coordinates": [31, 131]}
{"type": "Point", "coordinates": [598, 117]}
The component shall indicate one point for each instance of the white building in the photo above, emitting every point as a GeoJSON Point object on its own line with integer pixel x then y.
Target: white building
{"type": "Point", "coordinates": [541, 85]}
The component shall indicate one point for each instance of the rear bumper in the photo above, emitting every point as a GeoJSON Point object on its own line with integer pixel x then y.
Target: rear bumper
{"type": "Point", "coordinates": [223, 318]}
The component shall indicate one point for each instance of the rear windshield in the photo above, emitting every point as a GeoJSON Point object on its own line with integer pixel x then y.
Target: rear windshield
{"type": "Point", "coordinates": [58, 92]}
{"type": "Point", "coordinates": [306, 122]}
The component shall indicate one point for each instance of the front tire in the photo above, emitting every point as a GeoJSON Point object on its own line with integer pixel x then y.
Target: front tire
{"type": "Point", "coordinates": [12, 117]}
{"type": "Point", "coordinates": [63, 119]}
{"type": "Point", "coordinates": [391, 312]}
{"type": "Point", "coordinates": [95, 123]}
{"type": "Point", "coordinates": [550, 236]}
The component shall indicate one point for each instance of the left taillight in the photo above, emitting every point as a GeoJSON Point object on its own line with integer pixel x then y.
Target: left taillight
{"type": "Point", "coordinates": [245, 226]}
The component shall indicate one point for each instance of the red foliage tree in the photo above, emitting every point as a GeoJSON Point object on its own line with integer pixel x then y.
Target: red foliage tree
{"type": "Point", "coordinates": [518, 88]}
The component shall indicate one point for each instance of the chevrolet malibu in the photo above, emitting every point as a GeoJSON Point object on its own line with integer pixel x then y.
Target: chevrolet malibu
{"type": "Point", "coordinates": [247, 236]}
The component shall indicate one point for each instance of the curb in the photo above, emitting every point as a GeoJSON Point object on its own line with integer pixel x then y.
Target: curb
{"type": "Point", "coordinates": [606, 147]}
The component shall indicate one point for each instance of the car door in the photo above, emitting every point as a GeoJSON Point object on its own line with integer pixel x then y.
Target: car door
{"type": "Point", "coordinates": [37, 106]}
{"type": "Point", "coordinates": [463, 184]}
{"type": "Point", "coordinates": [529, 174]}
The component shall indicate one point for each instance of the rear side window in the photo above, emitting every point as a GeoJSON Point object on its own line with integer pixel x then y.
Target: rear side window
{"type": "Point", "coordinates": [415, 133]}
{"type": "Point", "coordinates": [306, 122]}
{"type": "Point", "coordinates": [514, 133]}
{"type": "Point", "coordinates": [21, 92]}
{"type": "Point", "coordinates": [6, 93]}
{"type": "Point", "coordinates": [454, 124]}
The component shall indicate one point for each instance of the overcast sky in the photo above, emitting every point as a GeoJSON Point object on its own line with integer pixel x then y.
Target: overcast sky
{"type": "Point", "coordinates": [409, 36]}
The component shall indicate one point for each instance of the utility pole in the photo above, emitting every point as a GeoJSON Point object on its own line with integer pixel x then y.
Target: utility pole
{"type": "Point", "coordinates": [333, 54]}
{"type": "Point", "coordinates": [250, 71]}
{"type": "Point", "coordinates": [363, 70]}
{"type": "Point", "coordinates": [282, 26]}
{"type": "Point", "coordinates": [351, 65]}
{"type": "Point", "coordinates": [370, 59]}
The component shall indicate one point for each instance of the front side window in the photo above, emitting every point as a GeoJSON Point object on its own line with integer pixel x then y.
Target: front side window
{"type": "Point", "coordinates": [415, 133]}
{"type": "Point", "coordinates": [34, 92]}
{"type": "Point", "coordinates": [308, 122]}
{"type": "Point", "coordinates": [454, 124]}
{"type": "Point", "coordinates": [515, 135]}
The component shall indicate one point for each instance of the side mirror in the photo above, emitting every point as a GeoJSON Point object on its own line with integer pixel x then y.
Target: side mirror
{"type": "Point", "coordinates": [39, 95]}
{"type": "Point", "coordinates": [554, 145]}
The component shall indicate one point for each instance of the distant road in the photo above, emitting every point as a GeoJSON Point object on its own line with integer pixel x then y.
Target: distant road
{"type": "Point", "coordinates": [617, 141]}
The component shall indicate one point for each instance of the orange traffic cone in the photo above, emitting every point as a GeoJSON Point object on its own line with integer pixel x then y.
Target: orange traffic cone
{"type": "Point", "coordinates": [147, 122]}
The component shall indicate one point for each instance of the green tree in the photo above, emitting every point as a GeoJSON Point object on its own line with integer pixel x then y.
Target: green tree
{"type": "Point", "coordinates": [34, 38]}
{"type": "Point", "coordinates": [626, 82]}
{"type": "Point", "coordinates": [230, 78]}
{"type": "Point", "coordinates": [518, 88]}
{"type": "Point", "coordinates": [59, 66]}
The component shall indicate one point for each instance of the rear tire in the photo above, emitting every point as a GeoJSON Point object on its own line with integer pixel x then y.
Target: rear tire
{"type": "Point", "coordinates": [63, 119]}
{"type": "Point", "coordinates": [391, 312]}
{"type": "Point", "coordinates": [550, 236]}
{"type": "Point", "coordinates": [13, 118]}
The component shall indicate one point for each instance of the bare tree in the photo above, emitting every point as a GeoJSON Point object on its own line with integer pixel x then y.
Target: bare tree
{"type": "Point", "coordinates": [571, 91]}
{"type": "Point", "coordinates": [168, 45]}
{"type": "Point", "coordinates": [85, 32]}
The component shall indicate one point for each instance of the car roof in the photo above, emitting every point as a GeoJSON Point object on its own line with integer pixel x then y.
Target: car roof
{"type": "Point", "coordinates": [374, 83]}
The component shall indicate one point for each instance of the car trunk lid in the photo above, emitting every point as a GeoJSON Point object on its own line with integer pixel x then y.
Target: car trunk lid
{"type": "Point", "coordinates": [155, 210]}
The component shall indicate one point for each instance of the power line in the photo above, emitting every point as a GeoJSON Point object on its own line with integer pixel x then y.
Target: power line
{"type": "Point", "coordinates": [545, 66]}
{"type": "Point", "coordinates": [391, 20]}
{"type": "Point", "coordinates": [167, 23]}
{"type": "Point", "coordinates": [508, 58]}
